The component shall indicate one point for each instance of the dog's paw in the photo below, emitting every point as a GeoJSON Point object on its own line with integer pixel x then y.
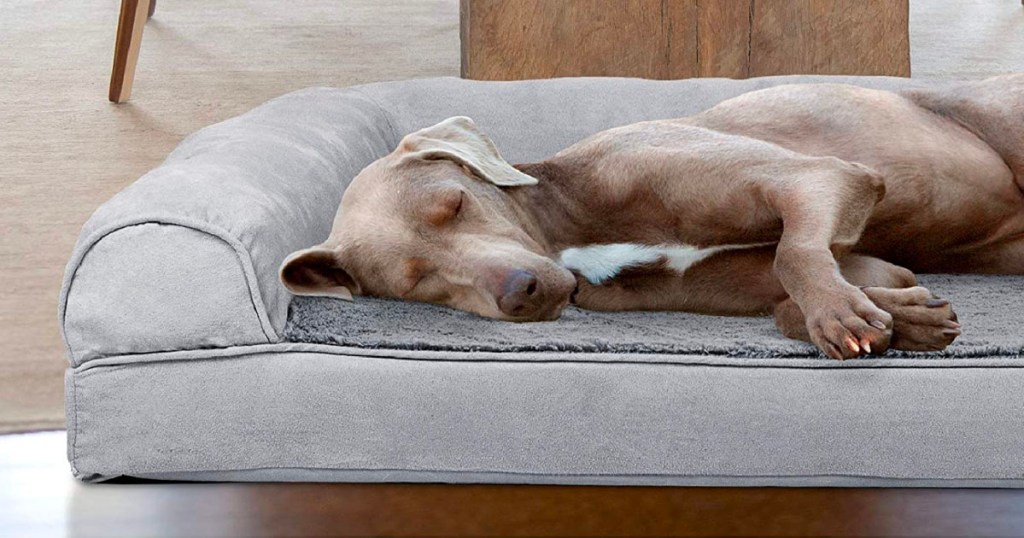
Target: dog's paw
{"type": "Point", "coordinates": [848, 324]}
{"type": "Point", "coordinates": [921, 321]}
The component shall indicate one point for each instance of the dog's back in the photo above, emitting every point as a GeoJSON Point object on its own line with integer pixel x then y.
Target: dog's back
{"type": "Point", "coordinates": [992, 109]}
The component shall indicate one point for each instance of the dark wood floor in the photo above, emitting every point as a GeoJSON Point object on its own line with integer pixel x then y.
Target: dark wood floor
{"type": "Point", "coordinates": [39, 497]}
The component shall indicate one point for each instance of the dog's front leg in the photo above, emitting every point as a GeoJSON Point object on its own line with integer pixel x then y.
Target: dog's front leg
{"type": "Point", "coordinates": [824, 205]}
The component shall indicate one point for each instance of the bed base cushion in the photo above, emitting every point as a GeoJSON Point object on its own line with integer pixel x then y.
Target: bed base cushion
{"type": "Point", "coordinates": [322, 413]}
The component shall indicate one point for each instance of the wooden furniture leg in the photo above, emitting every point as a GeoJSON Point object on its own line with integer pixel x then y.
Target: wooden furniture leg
{"type": "Point", "coordinates": [126, 48]}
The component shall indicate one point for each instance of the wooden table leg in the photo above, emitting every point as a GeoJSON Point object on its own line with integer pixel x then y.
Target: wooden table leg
{"type": "Point", "coordinates": [126, 49]}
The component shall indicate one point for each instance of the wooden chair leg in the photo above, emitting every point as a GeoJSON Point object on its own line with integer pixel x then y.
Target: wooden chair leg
{"type": "Point", "coordinates": [126, 48]}
{"type": "Point", "coordinates": [152, 9]}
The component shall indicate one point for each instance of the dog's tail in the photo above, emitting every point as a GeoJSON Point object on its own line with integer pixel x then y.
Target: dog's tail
{"type": "Point", "coordinates": [992, 109]}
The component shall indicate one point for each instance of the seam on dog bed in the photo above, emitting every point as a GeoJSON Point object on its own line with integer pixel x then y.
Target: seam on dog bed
{"type": "Point", "coordinates": [600, 476]}
{"type": "Point", "coordinates": [73, 432]}
{"type": "Point", "coordinates": [244, 261]}
{"type": "Point", "coordinates": [470, 358]}
{"type": "Point", "coordinates": [395, 136]}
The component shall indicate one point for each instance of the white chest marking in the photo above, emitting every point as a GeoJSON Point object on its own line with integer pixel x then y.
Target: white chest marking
{"type": "Point", "coordinates": [598, 263]}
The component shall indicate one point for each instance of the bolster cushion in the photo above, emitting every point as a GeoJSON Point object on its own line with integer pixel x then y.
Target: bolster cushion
{"type": "Point", "coordinates": [187, 256]}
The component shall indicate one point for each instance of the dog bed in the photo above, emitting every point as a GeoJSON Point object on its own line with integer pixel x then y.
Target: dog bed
{"type": "Point", "coordinates": [190, 361]}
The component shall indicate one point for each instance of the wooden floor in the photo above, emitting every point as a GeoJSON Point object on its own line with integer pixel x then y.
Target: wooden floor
{"type": "Point", "coordinates": [38, 497]}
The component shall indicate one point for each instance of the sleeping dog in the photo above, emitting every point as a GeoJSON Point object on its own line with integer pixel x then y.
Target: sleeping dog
{"type": "Point", "coordinates": [812, 203]}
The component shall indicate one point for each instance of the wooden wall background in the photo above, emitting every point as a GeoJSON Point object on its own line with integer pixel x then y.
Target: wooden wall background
{"type": "Point", "coordinates": [670, 39]}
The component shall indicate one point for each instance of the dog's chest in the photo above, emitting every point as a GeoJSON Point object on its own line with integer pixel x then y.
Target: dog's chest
{"type": "Point", "coordinates": [600, 263]}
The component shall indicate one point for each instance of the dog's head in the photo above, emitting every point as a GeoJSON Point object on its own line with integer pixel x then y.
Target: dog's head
{"type": "Point", "coordinates": [434, 221]}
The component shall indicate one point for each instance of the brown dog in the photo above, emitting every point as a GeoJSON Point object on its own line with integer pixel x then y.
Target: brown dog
{"type": "Point", "coordinates": [796, 201]}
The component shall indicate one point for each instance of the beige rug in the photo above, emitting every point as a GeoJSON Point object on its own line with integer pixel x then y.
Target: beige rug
{"type": "Point", "coordinates": [64, 149]}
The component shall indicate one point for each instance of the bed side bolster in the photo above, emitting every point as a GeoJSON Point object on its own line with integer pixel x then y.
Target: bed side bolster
{"type": "Point", "coordinates": [187, 256]}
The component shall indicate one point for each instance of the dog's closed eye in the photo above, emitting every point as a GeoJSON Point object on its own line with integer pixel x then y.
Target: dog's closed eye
{"type": "Point", "coordinates": [447, 208]}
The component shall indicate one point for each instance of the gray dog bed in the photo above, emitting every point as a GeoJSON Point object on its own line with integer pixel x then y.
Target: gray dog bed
{"type": "Point", "coordinates": [189, 360]}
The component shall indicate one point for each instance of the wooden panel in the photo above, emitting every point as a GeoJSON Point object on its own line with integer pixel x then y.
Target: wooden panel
{"type": "Point", "coordinates": [830, 37]}
{"type": "Point", "coordinates": [723, 38]}
{"type": "Point", "coordinates": [520, 39]}
{"type": "Point", "coordinates": [680, 22]}
{"type": "Point", "coordinates": [517, 39]}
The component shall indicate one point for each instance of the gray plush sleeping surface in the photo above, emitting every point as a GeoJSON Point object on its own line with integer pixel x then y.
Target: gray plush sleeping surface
{"type": "Point", "coordinates": [987, 306]}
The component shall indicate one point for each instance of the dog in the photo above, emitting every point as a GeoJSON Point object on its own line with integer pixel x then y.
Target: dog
{"type": "Point", "coordinates": [814, 203]}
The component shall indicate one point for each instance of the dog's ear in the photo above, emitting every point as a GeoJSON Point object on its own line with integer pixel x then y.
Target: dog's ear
{"type": "Point", "coordinates": [317, 271]}
{"type": "Point", "coordinates": [460, 140]}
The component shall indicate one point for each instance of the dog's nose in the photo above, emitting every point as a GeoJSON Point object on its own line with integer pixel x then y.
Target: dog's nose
{"type": "Point", "coordinates": [518, 293]}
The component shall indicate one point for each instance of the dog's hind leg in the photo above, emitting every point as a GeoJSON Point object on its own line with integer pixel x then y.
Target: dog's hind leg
{"type": "Point", "coordinates": [1001, 258]}
{"type": "Point", "coordinates": [743, 283]}
{"type": "Point", "coordinates": [735, 283]}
